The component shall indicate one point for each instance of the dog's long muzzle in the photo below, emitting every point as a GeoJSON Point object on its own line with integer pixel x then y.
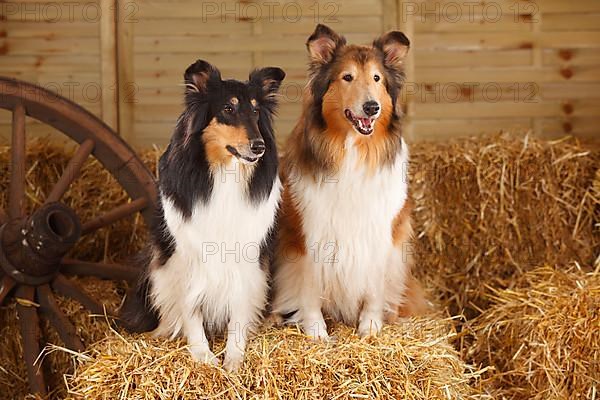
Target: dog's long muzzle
{"type": "Point", "coordinates": [249, 153]}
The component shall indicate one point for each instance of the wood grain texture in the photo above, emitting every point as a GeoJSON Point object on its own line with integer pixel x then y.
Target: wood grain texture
{"type": "Point", "coordinates": [108, 55]}
{"type": "Point", "coordinates": [542, 56]}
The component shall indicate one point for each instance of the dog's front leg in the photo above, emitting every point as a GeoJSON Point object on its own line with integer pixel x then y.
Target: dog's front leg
{"type": "Point", "coordinates": [193, 328]}
{"type": "Point", "coordinates": [240, 327]}
{"type": "Point", "coordinates": [238, 331]}
{"type": "Point", "coordinates": [371, 315]}
{"type": "Point", "coordinates": [311, 303]}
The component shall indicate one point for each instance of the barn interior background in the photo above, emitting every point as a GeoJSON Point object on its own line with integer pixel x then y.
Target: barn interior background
{"type": "Point", "coordinates": [507, 226]}
{"type": "Point", "coordinates": [475, 67]}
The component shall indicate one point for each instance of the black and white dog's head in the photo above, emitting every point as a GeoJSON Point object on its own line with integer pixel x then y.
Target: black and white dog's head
{"type": "Point", "coordinates": [224, 122]}
{"type": "Point", "coordinates": [231, 116]}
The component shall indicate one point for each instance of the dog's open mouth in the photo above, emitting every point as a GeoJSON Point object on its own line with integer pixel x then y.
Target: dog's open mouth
{"type": "Point", "coordinates": [363, 125]}
{"type": "Point", "coordinates": [246, 157]}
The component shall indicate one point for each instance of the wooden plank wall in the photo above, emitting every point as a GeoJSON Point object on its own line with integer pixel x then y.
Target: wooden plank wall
{"type": "Point", "coordinates": [475, 67]}
{"type": "Point", "coordinates": [236, 37]}
{"type": "Point", "coordinates": [58, 45]}
{"type": "Point", "coordinates": [504, 64]}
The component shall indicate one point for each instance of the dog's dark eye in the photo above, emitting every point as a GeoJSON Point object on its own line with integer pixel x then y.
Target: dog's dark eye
{"type": "Point", "coordinates": [255, 111]}
{"type": "Point", "coordinates": [347, 78]}
{"type": "Point", "coordinates": [377, 78]}
{"type": "Point", "coordinates": [228, 109]}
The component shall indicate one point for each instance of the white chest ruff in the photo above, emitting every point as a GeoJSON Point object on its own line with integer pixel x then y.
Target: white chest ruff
{"type": "Point", "coordinates": [347, 222]}
{"type": "Point", "coordinates": [216, 261]}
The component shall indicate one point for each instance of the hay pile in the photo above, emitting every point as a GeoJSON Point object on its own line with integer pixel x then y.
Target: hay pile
{"type": "Point", "coordinates": [543, 336]}
{"type": "Point", "coordinates": [596, 196]}
{"type": "Point", "coordinates": [489, 211]}
{"type": "Point", "coordinates": [410, 361]}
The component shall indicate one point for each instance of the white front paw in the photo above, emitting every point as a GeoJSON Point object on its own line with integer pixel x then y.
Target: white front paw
{"type": "Point", "coordinates": [204, 355]}
{"type": "Point", "coordinates": [233, 361]}
{"type": "Point", "coordinates": [369, 327]}
{"type": "Point", "coordinates": [316, 330]}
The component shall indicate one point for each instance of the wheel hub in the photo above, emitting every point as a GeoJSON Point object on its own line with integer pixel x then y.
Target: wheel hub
{"type": "Point", "coordinates": [31, 248]}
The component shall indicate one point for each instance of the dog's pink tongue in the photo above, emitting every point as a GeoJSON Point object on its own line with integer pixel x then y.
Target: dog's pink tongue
{"type": "Point", "coordinates": [365, 121]}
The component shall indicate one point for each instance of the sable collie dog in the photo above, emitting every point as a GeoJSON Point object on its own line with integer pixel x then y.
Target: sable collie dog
{"type": "Point", "coordinates": [218, 196]}
{"type": "Point", "coordinates": [344, 222]}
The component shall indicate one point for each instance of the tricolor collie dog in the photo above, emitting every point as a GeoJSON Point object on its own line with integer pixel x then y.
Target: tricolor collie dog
{"type": "Point", "coordinates": [344, 223]}
{"type": "Point", "coordinates": [218, 196]}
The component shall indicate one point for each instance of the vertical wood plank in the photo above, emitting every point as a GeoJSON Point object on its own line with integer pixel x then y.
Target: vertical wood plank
{"type": "Point", "coordinates": [390, 15]}
{"type": "Point", "coordinates": [406, 24]}
{"type": "Point", "coordinates": [257, 56]}
{"type": "Point", "coordinates": [127, 88]}
{"type": "Point", "coordinates": [538, 61]}
{"type": "Point", "coordinates": [108, 61]}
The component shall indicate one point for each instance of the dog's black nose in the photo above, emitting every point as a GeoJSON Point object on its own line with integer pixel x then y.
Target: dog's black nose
{"type": "Point", "coordinates": [257, 146]}
{"type": "Point", "coordinates": [371, 108]}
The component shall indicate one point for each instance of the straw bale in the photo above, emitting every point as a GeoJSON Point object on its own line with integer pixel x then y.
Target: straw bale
{"type": "Point", "coordinates": [543, 336]}
{"type": "Point", "coordinates": [490, 209]}
{"type": "Point", "coordinates": [414, 360]}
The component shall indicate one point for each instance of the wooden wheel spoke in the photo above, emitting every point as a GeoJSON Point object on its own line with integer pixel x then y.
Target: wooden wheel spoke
{"type": "Point", "coordinates": [116, 214]}
{"type": "Point", "coordinates": [30, 331]}
{"type": "Point", "coordinates": [99, 270]}
{"type": "Point", "coordinates": [6, 286]}
{"type": "Point", "coordinates": [71, 171]}
{"type": "Point", "coordinates": [58, 319]}
{"type": "Point", "coordinates": [71, 289]}
{"type": "Point", "coordinates": [16, 197]}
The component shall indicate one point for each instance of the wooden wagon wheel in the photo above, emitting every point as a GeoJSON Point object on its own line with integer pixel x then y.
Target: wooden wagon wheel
{"type": "Point", "coordinates": [32, 247]}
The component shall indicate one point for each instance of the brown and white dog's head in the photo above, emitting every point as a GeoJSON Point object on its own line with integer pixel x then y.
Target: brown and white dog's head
{"type": "Point", "coordinates": [355, 88]}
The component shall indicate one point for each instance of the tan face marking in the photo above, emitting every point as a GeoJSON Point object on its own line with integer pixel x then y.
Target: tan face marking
{"type": "Point", "coordinates": [253, 102]}
{"type": "Point", "coordinates": [218, 136]}
{"type": "Point", "coordinates": [234, 101]}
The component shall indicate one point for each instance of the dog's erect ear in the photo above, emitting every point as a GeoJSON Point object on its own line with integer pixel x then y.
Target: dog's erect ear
{"type": "Point", "coordinates": [394, 46]}
{"type": "Point", "coordinates": [198, 75]}
{"type": "Point", "coordinates": [322, 44]}
{"type": "Point", "coordinates": [268, 79]}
